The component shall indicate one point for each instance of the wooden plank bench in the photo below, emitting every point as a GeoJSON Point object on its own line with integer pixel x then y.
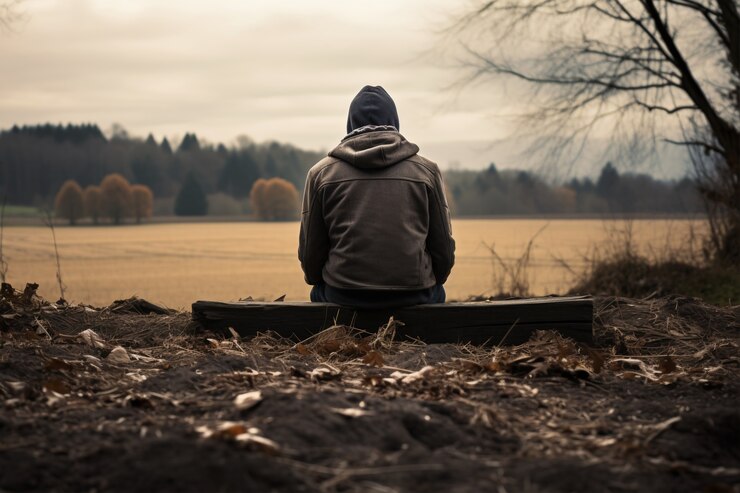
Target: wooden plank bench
{"type": "Point", "coordinates": [486, 322]}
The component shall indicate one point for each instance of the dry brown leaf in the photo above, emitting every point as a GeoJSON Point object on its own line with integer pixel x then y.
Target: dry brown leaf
{"type": "Point", "coordinates": [667, 365]}
{"type": "Point", "coordinates": [412, 377]}
{"type": "Point", "coordinates": [231, 430]}
{"type": "Point", "coordinates": [597, 360]}
{"type": "Point", "coordinates": [226, 429]}
{"type": "Point", "coordinates": [91, 338]}
{"type": "Point", "coordinates": [259, 442]}
{"type": "Point", "coordinates": [374, 358]}
{"type": "Point", "coordinates": [374, 380]}
{"type": "Point", "coordinates": [118, 356]}
{"type": "Point", "coordinates": [56, 364]}
{"type": "Point", "coordinates": [56, 385]}
{"type": "Point", "coordinates": [352, 412]}
{"type": "Point", "coordinates": [323, 373]}
{"type": "Point", "coordinates": [248, 400]}
{"type": "Point", "coordinates": [302, 349]}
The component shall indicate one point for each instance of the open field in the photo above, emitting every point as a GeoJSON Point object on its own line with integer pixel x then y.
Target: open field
{"type": "Point", "coordinates": [176, 264]}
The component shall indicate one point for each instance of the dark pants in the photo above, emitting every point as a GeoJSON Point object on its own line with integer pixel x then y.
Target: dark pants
{"type": "Point", "coordinates": [366, 298]}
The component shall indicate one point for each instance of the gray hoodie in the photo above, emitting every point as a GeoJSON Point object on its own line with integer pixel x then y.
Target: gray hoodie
{"type": "Point", "coordinates": [375, 216]}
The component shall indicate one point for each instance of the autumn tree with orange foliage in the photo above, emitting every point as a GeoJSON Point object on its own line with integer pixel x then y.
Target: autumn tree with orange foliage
{"type": "Point", "coordinates": [117, 199]}
{"type": "Point", "coordinates": [93, 200]}
{"type": "Point", "coordinates": [69, 202]}
{"type": "Point", "coordinates": [142, 202]}
{"type": "Point", "coordinates": [274, 199]}
{"type": "Point", "coordinates": [257, 197]}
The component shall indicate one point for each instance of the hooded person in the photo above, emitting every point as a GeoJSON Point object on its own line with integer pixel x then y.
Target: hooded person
{"type": "Point", "coordinates": [375, 224]}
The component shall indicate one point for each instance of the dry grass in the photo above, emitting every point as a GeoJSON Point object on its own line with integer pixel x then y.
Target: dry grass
{"type": "Point", "coordinates": [176, 264]}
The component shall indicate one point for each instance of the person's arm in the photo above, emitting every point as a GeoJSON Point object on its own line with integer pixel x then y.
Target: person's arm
{"type": "Point", "coordinates": [313, 243]}
{"type": "Point", "coordinates": [440, 244]}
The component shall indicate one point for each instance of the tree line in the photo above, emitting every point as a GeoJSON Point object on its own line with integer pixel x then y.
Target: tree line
{"type": "Point", "coordinates": [515, 192]}
{"type": "Point", "coordinates": [36, 160]}
{"type": "Point", "coordinates": [197, 178]}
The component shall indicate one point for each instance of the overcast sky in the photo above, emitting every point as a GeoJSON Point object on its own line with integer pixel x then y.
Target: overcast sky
{"type": "Point", "coordinates": [270, 70]}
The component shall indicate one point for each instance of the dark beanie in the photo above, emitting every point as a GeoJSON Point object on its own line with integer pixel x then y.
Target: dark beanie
{"type": "Point", "coordinates": [372, 106]}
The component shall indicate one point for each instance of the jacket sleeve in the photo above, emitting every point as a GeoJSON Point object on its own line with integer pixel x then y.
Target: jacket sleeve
{"type": "Point", "coordinates": [440, 244]}
{"type": "Point", "coordinates": [313, 242]}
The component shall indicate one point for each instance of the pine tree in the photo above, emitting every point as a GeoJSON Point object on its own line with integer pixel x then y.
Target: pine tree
{"type": "Point", "coordinates": [191, 200]}
{"type": "Point", "coordinates": [166, 147]}
{"type": "Point", "coordinates": [189, 143]}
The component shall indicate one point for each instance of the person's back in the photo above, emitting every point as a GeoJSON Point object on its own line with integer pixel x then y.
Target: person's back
{"type": "Point", "coordinates": [375, 227]}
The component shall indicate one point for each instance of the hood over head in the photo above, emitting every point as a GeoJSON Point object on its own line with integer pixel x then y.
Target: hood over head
{"type": "Point", "coordinates": [374, 147]}
{"type": "Point", "coordinates": [372, 106]}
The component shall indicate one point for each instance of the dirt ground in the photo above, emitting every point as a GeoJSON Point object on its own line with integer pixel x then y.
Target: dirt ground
{"type": "Point", "coordinates": [117, 400]}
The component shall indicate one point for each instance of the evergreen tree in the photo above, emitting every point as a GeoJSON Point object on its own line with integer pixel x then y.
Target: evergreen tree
{"type": "Point", "coordinates": [191, 200]}
{"type": "Point", "coordinates": [608, 180]}
{"type": "Point", "coordinates": [166, 147]}
{"type": "Point", "coordinates": [189, 143]}
{"type": "Point", "coordinates": [238, 174]}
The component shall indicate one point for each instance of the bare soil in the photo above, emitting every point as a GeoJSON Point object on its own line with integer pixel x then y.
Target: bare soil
{"type": "Point", "coordinates": [149, 402]}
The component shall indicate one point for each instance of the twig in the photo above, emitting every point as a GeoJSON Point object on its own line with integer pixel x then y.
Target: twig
{"type": "Point", "coordinates": [50, 224]}
{"type": "Point", "coordinates": [3, 263]}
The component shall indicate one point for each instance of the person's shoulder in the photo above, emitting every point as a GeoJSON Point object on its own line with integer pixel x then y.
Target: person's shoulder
{"type": "Point", "coordinates": [324, 163]}
{"type": "Point", "coordinates": [425, 163]}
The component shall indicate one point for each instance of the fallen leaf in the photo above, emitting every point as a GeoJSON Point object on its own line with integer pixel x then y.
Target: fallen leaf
{"type": "Point", "coordinates": [323, 373]}
{"type": "Point", "coordinates": [240, 433]}
{"type": "Point", "coordinates": [118, 356]}
{"type": "Point", "coordinates": [57, 364]}
{"type": "Point", "coordinates": [374, 358]}
{"type": "Point", "coordinates": [56, 385]}
{"type": "Point", "coordinates": [412, 377]}
{"type": "Point", "coordinates": [91, 338]}
{"type": "Point", "coordinates": [597, 359]}
{"type": "Point", "coordinates": [374, 380]}
{"type": "Point", "coordinates": [229, 429]}
{"type": "Point", "coordinates": [302, 349]}
{"type": "Point", "coordinates": [248, 400]}
{"type": "Point", "coordinates": [666, 365]}
{"type": "Point", "coordinates": [264, 444]}
{"type": "Point", "coordinates": [352, 412]}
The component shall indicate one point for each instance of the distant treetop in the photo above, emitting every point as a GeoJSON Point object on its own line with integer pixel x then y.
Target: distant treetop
{"type": "Point", "coordinates": [165, 146]}
{"type": "Point", "coordinates": [60, 133]}
{"type": "Point", "coordinates": [189, 143]}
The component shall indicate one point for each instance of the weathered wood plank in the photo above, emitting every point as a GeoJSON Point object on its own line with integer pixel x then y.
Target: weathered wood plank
{"type": "Point", "coordinates": [476, 322]}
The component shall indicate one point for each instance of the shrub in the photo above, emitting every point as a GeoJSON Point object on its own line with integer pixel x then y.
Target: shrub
{"type": "Point", "coordinates": [117, 200]}
{"type": "Point", "coordinates": [93, 199]}
{"type": "Point", "coordinates": [274, 199]}
{"type": "Point", "coordinates": [221, 204]}
{"type": "Point", "coordinates": [143, 202]}
{"type": "Point", "coordinates": [69, 202]}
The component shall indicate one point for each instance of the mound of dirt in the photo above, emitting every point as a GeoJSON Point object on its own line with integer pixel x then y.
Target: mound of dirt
{"type": "Point", "coordinates": [113, 399]}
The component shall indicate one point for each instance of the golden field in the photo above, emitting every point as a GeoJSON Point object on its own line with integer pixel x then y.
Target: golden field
{"type": "Point", "coordinates": [176, 264]}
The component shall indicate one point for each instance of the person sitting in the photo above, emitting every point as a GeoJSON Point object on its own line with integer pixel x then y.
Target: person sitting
{"type": "Point", "coordinates": [375, 224]}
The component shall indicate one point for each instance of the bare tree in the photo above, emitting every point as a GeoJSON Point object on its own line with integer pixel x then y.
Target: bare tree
{"type": "Point", "coordinates": [9, 13]}
{"type": "Point", "coordinates": [644, 70]}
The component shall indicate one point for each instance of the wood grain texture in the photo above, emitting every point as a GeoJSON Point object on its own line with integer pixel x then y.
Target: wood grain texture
{"type": "Point", "coordinates": [488, 322]}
